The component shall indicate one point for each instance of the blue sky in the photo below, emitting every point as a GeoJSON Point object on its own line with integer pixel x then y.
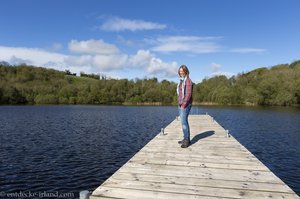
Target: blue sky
{"type": "Point", "coordinates": [141, 38]}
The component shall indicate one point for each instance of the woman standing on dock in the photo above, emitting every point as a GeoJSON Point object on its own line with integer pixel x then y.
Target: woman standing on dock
{"type": "Point", "coordinates": [185, 99]}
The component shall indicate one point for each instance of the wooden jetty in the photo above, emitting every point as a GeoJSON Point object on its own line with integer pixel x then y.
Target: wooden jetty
{"type": "Point", "coordinates": [216, 165]}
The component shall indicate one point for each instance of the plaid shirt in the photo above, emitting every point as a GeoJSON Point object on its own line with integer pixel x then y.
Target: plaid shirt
{"type": "Point", "coordinates": [188, 96]}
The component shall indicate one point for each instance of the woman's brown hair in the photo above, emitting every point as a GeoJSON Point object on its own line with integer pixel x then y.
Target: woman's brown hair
{"type": "Point", "coordinates": [185, 70]}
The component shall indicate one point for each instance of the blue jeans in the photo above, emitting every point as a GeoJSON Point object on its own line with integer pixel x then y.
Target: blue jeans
{"type": "Point", "coordinates": [184, 114]}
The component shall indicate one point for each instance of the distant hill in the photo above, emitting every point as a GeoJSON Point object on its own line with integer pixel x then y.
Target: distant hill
{"type": "Point", "coordinates": [37, 85]}
{"type": "Point", "coordinates": [277, 85]}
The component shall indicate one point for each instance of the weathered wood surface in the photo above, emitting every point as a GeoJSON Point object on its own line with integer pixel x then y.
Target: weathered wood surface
{"type": "Point", "coordinates": [214, 166]}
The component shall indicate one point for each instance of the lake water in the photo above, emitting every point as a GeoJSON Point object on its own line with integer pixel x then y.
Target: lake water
{"type": "Point", "coordinates": [67, 149]}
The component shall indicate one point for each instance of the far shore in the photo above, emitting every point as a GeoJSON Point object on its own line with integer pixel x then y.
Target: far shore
{"type": "Point", "coordinates": [153, 104]}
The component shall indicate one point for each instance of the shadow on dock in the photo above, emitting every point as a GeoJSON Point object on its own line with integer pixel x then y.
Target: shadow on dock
{"type": "Point", "coordinates": [199, 136]}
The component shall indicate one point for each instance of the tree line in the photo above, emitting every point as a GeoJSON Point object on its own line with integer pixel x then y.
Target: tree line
{"type": "Point", "coordinates": [23, 84]}
{"type": "Point", "coordinates": [276, 86]}
{"type": "Point", "coordinates": [37, 85]}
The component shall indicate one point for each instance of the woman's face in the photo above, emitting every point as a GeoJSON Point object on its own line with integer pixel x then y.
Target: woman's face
{"type": "Point", "coordinates": [181, 72]}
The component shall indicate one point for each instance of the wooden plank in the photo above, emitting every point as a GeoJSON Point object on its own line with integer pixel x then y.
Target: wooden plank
{"type": "Point", "coordinates": [195, 163]}
{"type": "Point", "coordinates": [203, 158]}
{"type": "Point", "coordinates": [198, 172]}
{"type": "Point", "coordinates": [203, 182]}
{"type": "Point", "coordinates": [214, 166]}
{"type": "Point", "coordinates": [193, 189]}
{"type": "Point", "coordinates": [117, 192]}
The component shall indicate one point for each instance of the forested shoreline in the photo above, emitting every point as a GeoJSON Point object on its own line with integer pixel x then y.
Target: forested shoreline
{"type": "Point", "coordinates": [23, 84]}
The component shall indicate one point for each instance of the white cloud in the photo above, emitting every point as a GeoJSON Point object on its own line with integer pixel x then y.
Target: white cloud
{"type": "Point", "coordinates": [92, 47]}
{"type": "Point", "coordinates": [100, 63]}
{"type": "Point", "coordinates": [191, 44]}
{"type": "Point", "coordinates": [110, 62]}
{"type": "Point", "coordinates": [97, 56]}
{"type": "Point", "coordinates": [141, 58]}
{"type": "Point", "coordinates": [194, 44]}
{"type": "Point", "coordinates": [121, 24]}
{"type": "Point", "coordinates": [143, 61]}
{"type": "Point", "coordinates": [35, 56]}
{"type": "Point", "coordinates": [162, 69]}
{"type": "Point", "coordinates": [215, 67]}
{"type": "Point", "coordinates": [153, 65]}
{"type": "Point", "coordinates": [16, 61]}
{"type": "Point", "coordinates": [83, 60]}
{"type": "Point", "coordinates": [219, 73]}
{"type": "Point", "coordinates": [248, 50]}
